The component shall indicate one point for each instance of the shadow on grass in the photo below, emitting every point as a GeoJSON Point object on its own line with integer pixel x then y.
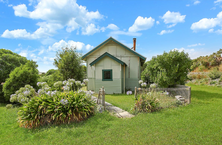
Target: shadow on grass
{"type": "Point", "coordinates": [99, 120]}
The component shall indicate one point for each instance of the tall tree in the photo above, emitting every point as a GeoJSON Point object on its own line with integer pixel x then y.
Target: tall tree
{"type": "Point", "coordinates": [23, 75]}
{"type": "Point", "coordinates": [8, 62]}
{"type": "Point", "coordinates": [68, 62]}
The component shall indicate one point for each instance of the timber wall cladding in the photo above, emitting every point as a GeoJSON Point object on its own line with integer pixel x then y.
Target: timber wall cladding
{"type": "Point", "coordinates": [131, 70]}
{"type": "Point", "coordinates": [111, 86]}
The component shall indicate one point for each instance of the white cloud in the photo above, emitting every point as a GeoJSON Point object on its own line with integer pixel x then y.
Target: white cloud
{"type": "Point", "coordinates": [172, 25]}
{"type": "Point", "coordinates": [55, 15]}
{"type": "Point", "coordinates": [23, 53]}
{"type": "Point", "coordinates": [196, 2]}
{"type": "Point", "coordinates": [41, 52]}
{"type": "Point", "coordinates": [32, 2]}
{"type": "Point", "coordinates": [142, 24]}
{"type": "Point", "coordinates": [70, 44]}
{"type": "Point", "coordinates": [4, 1]}
{"type": "Point", "coordinates": [19, 33]}
{"type": "Point", "coordinates": [112, 27]}
{"type": "Point", "coordinates": [187, 5]}
{"type": "Point", "coordinates": [90, 29]}
{"type": "Point", "coordinates": [207, 23]}
{"type": "Point", "coordinates": [211, 31]}
{"type": "Point", "coordinates": [19, 44]}
{"type": "Point", "coordinates": [21, 10]}
{"type": "Point", "coordinates": [194, 53]}
{"type": "Point", "coordinates": [116, 33]}
{"type": "Point", "coordinates": [219, 31]}
{"type": "Point", "coordinates": [45, 30]}
{"type": "Point", "coordinates": [165, 32]}
{"type": "Point", "coordinates": [197, 44]}
{"type": "Point", "coordinates": [103, 29]}
{"type": "Point", "coordinates": [88, 47]}
{"type": "Point", "coordinates": [173, 17]}
{"type": "Point", "coordinates": [217, 1]}
{"type": "Point", "coordinates": [157, 22]}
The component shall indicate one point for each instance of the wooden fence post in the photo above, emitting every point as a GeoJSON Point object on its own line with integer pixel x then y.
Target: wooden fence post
{"type": "Point", "coordinates": [135, 93]}
{"type": "Point", "coordinates": [189, 95]}
{"type": "Point", "coordinates": [103, 98]}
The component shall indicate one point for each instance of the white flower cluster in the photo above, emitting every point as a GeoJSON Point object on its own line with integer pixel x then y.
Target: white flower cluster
{"type": "Point", "coordinates": [129, 92]}
{"type": "Point", "coordinates": [58, 84]}
{"type": "Point", "coordinates": [89, 93]}
{"type": "Point", "coordinates": [153, 85]}
{"type": "Point", "coordinates": [51, 93]}
{"type": "Point", "coordinates": [81, 91]}
{"type": "Point", "coordinates": [140, 82]}
{"type": "Point", "coordinates": [86, 81]}
{"type": "Point", "coordinates": [44, 88]}
{"type": "Point", "coordinates": [66, 88]}
{"type": "Point", "coordinates": [78, 83]}
{"type": "Point", "coordinates": [165, 93]}
{"type": "Point", "coordinates": [64, 101]}
{"type": "Point", "coordinates": [23, 94]}
{"type": "Point", "coordinates": [144, 85]}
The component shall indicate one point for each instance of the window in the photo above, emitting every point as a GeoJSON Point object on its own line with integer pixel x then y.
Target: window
{"type": "Point", "coordinates": [107, 75]}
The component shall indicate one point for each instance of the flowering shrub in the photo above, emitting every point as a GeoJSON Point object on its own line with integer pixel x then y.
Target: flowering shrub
{"type": "Point", "coordinates": [143, 85]}
{"type": "Point", "coordinates": [63, 108]}
{"type": "Point", "coordinates": [23, 94]}
{"type": "Point", "coordinates": [146, 103]}
{"type": "Point", "coordinates": [44, 88]}
{"type": "Point", "coordinates": [86, 81]}
{"type": "Point", "coordinates": [140, 82]}
{"type": "Point", "coordinates": [153, 85]}
{"type": "Point", "coordinates": [58, 85]}
{"type": "Point", "coordinates": [129, 92]}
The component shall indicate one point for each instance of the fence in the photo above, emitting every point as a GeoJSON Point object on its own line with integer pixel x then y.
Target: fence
{"type": "Point", "coordinates": [184, 91]}
{"type": "Point", "coordinates": [101, 97]}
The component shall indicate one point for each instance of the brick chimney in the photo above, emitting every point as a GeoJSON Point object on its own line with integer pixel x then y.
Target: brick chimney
{"type": "Point", "coordinates": [134, 44]}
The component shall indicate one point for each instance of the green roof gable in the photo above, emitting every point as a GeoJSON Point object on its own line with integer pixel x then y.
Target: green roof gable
{"type": "Point", "coordinates": [109, 55]}
{"type": "Point", "coordinates": [124, 46]}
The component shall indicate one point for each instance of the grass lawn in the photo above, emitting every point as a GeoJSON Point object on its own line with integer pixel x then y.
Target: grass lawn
{"type": "Point", "coordinates": [125, 102]}
{"type": "Point", "coordinates": [198, 123]}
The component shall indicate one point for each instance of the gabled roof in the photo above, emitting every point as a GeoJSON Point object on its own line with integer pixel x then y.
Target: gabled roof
{"type": "Point", "coordinates": [109, 55]}
{"type": "Point", "coordinates": [109, 39]}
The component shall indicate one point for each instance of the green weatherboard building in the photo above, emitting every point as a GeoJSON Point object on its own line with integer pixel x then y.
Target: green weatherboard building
{"type": "Point", "coordinates": [113, 65]}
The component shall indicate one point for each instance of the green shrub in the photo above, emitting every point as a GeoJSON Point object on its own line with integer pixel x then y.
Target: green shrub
{"type": "Point", "coordinates": [220, 80]}
{"type": "Point", "coordinates": [169, 69]}
{"type": "Point", "coordinates": [63, 108]}
{"type": "Point", "coordinates": [9, 106]}
{"type": "Point", "coordinates": [19, 77]}
{"type": "Point", "coordinates": [215, 74]}
{"type": "Point", "coordinates": [51, 77]}
{"type": "Point", "coordinates": [201, 67]}
{"type": "Point", "coordinates": [213, 82]}
{"type": "Point", "coordinates": [8, 62]}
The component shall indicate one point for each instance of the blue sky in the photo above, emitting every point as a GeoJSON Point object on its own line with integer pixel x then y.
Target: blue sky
{"type": "Point", "coordinates": [36, 29]}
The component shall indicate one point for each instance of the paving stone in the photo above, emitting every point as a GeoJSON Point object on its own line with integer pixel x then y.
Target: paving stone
{"type": "Point", "coordinates": [126, 114]}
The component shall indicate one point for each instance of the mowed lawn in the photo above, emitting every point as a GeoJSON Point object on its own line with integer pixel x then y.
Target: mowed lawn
{"type": "Point", "coordinates": [197, 123]}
